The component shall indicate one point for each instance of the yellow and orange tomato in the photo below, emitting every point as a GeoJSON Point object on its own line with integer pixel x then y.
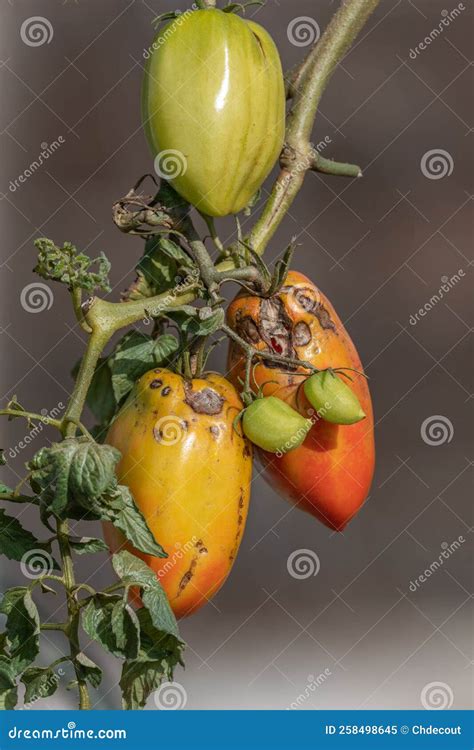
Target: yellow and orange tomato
{"type": "Point", "coordinates": [189, 471]}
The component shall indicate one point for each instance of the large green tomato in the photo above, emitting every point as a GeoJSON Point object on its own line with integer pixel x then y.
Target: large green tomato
{"type": "Point", "coordinates": [214, 108]}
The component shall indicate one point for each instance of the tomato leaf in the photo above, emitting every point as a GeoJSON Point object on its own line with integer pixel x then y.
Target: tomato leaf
{"type": "Point", "coordinates": [8, 690]}
{"type": "Point", "coordinates": [135, 355]}
{"type": "Point", "coordinates": [159, 655]}
{"type": "Point", "coordinates": [88, 670]}
{"type": "Point", "coordinates": [198, 321]}
{"type": "Point", "coordinates": [134, 572]}
{"type": "Point", "coordinates": [100, 396]}
{"type": "Point", "coordinates": [73, 474]}
{"type": "Point", "coordinates": [156, 270]}
{"type": "Point", "coordinates": [121, 510]}
{"type": "Point", "coordinates": [100, 624]}
{"type": "Point", "coordinates": [176, 252]}
{"type": "Point", "coordinates": [71, 267]}
{"type": "Point", "coordinates": [40, 683]}
{"type": "Point", "coordinates": [22, 627]}
{"type": "Point", "coordinates": [15, 541]}
{"type": "Point", "coordinates": [126, 628]}
{"type": "Point", "coordinates": [84, 545]}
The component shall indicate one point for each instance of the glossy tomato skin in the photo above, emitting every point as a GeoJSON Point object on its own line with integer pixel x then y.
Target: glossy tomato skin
{"type": "Point", "coordinates": [189, 472]}
{"type": "Point", "coordinates": [213, 93]}
{"type": "Point", "coordinates": [330, 474]}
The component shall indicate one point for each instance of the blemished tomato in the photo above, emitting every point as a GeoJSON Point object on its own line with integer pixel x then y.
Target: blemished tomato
{"type": "Point", "coordinates": [330, 474]}
{"type": "Point", "coordinates": [213, 107]}
{"type": "Point", "coordinates": [189, 471]}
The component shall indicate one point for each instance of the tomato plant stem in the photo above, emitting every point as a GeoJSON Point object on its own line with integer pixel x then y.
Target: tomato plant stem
{"type": "Point", "coordinates": [72, 627]}
{"type": "Point", "coordinates": [307, 88]}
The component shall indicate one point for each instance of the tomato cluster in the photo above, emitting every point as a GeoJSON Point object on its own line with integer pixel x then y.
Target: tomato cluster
{"type": "Point", "coordinates": [214, 95]}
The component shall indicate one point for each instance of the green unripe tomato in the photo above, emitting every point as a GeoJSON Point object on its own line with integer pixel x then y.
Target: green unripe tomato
{"type": "Point", "coordinates": [274, 426]}
{"type": "Point", "coordinates": [213, 106]}
{"type": "Point", "coordinates": [333, 400]}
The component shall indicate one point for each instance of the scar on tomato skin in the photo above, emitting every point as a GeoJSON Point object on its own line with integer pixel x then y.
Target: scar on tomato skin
{"type": "Point", "coordinates": [200, 547]}
{"type": "Point", "coordinates": [166, 390]}
{"type": "Point", "coordinates": [214, 430]}
{"type": "Point", "coordinates": [156, 383]}
{"type": "Point", "coordinates": [240, 521]}
{"type": "Point", "coordinates": [187, 576]}
{"type": "Point", "coordinates": [205, 401]}
{"type": "Point", "coordinates": [311, 305]}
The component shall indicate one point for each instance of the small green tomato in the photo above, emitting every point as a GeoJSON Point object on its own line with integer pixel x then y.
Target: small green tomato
{"type": "Point", "coordinates": [274, 426]}
{"type": "Point", "coordinates": [333, 400]}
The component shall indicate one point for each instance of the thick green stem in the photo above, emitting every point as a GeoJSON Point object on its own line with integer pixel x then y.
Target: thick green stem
{"type": "Point", "coordinates": [307, 91]}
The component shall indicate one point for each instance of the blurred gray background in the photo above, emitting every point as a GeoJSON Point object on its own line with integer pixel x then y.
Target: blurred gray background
{"type": "Point", "coordinates": [379, 248]}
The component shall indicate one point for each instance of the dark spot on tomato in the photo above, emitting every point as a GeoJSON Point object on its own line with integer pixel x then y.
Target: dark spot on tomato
{"type": "Point", "coordinates": [156, 383]}
{"type": "Point", "coordinates": [166, 390]}
{"type": "Point", "coordinates": [214, 430]}
{"type": "Point", "coordinates": [206, 401]}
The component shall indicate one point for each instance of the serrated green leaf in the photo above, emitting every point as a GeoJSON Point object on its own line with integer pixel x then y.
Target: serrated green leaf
{"type": "Point", "coordinates": [97, 621]}
{"type": "Point", "coordinates": [157, 269]}
{"type": "Point", "coordinates": [176, 252]}
{"type": "Point", "coordinates": [15, 541]}
{"type": "Point", "coordinates": [134, 572]}
{"type": "Point", "coordinates": [8, 689]}
{"type": "Point", "coordinates": [71, 475]}
{"type": "Point", "coordinates": [198, 321]}
{"type": "Point", "coordinates": [135, 355]}
{"type": "Point", "coordinates": [39, 682]}
{"type": "Point", "coordinates": [122, 511]}
{"type": "Point", "coordinates": [88, 670]}
{"type": "Point", "coordinates": [126, 629]}
{"type": "Point", "coordinates": [159, 655]}
{"type": "Point", "coordinates": [22, 627]}
{"type": "Point", "coordinates": [84, 545]}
